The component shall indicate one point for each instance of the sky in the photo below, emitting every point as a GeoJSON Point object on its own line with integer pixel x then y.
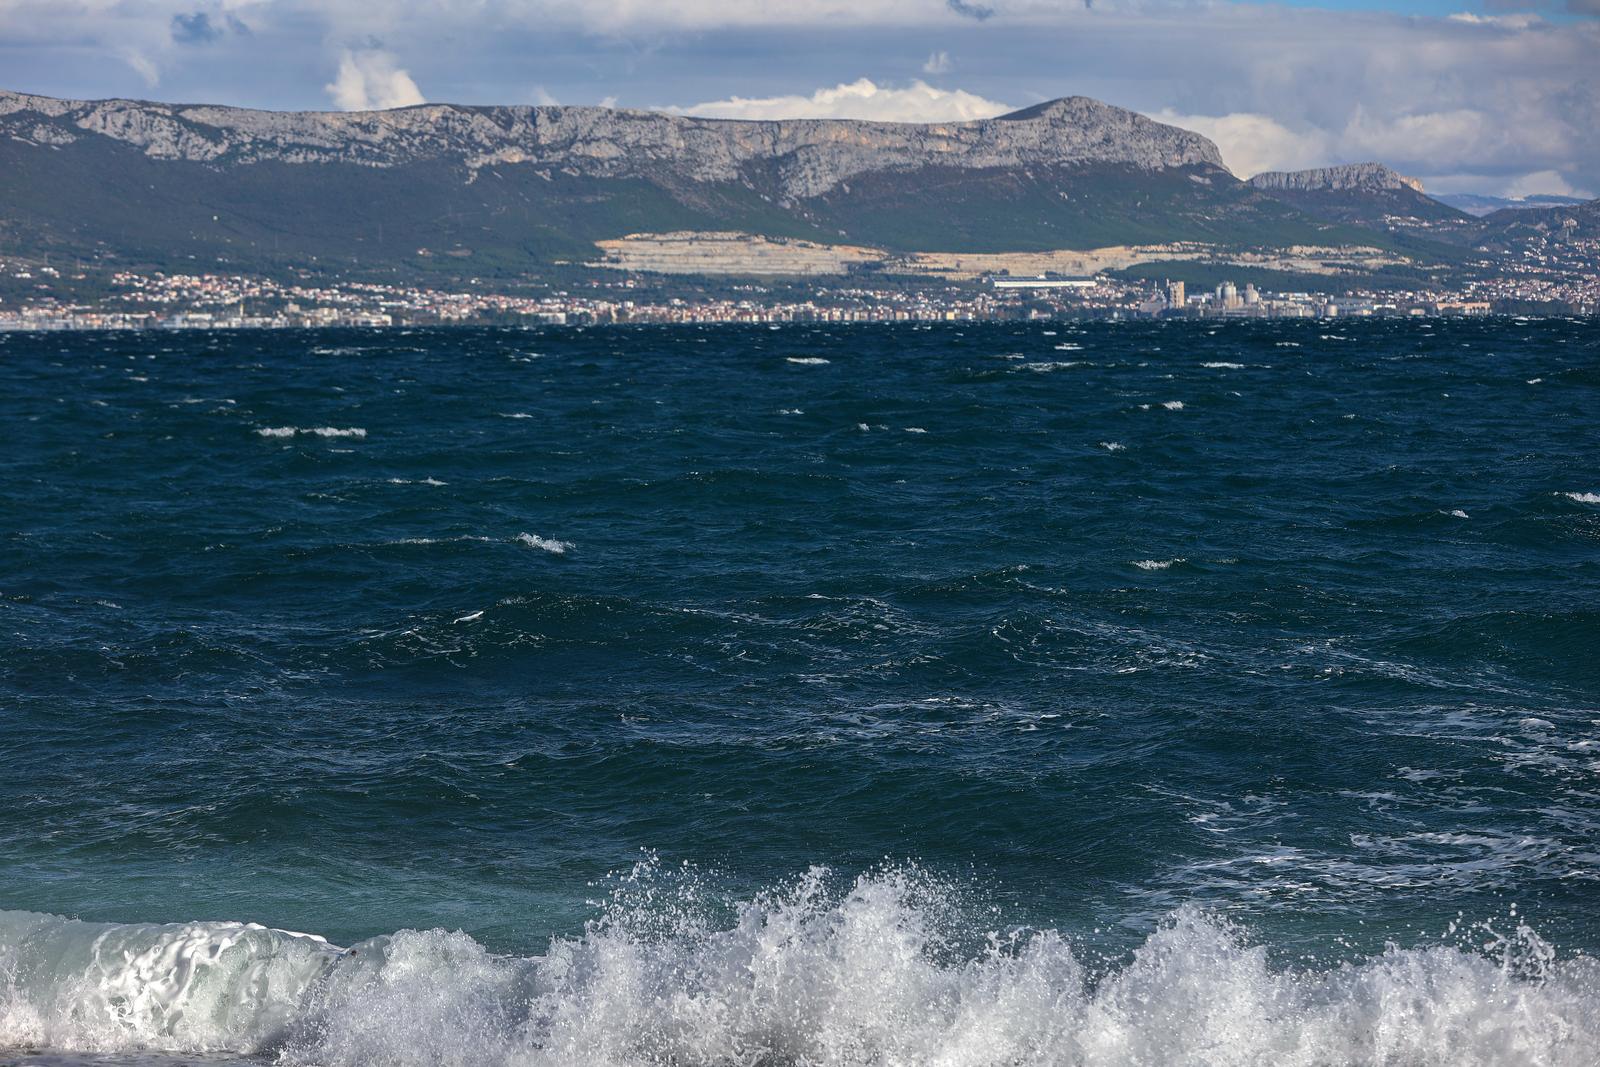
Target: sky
{"type": "Point", "coordinates": [1488, 96]}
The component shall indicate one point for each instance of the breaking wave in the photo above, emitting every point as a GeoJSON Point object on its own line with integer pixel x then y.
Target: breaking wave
{"type": "Point", "coordinates": [546, 544]}
{"type": "Point", "coordinates": [314, 431]}
{"type": "Point", "coordinates": [811, 973]}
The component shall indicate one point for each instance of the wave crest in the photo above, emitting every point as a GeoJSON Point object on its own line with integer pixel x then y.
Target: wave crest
{"type": "Point", "coordinates": [870, 973]}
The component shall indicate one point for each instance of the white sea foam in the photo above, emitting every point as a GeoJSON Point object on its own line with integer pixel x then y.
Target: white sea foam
{"type": "Point", "coordinates": [416, 481]}
{"type": "Point", "coordinates": [848, 977]}
{"type": "Point", "coordinates": [315, 431]}
{"type": "Point", "coordinates": [514, 414]}
{"type": "Point", "coordinates": [545, 544]}
{"type": "Point", "coordinates": [1046, 366]}
{"type": "Point", "coordinates": [1156, 564]}
{"type": "Point", "coordinates": [1172, 405]}
{"type": "Point", "coordinates": [808, 361]}
{"type": "Point", "coordinates": [914, 429]}
{"type": "Point", "coordinates": [1583, 498]}
{"type": "Point", "coordinates": [440, 540]}
{"type": "Point", "coordinates": [1113, 446]}
{"type": "Point", "coordinates": [1457, 513]}
{"type": "Point", "coordinates": [1223, 366]}
{"type": "Point", "coordinates": [790, 411]}
{"type": "Point", "coordinates": [1535, 381]}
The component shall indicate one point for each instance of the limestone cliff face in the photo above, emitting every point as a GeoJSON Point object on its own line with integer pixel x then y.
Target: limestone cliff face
{"type": "Point", "coordinates": [811, 157]}
{"type": "Point", "coordinates": [1360, 177]}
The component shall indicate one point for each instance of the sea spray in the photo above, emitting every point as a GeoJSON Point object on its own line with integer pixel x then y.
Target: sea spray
{"type": "Point", "coordinates": [880, 970]}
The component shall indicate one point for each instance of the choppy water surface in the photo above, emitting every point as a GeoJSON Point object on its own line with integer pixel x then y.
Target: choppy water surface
{"type": "Point", "coordinates": [1097, 694]}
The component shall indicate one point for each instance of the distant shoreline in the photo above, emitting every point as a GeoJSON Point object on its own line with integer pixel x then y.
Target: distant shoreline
{"type": "Point", "coordinates": [910, 322]}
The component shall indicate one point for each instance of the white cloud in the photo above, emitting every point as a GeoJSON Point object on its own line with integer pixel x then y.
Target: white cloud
{"type": "Point", "coordinates": [1456, 134]}
{"type": "Point", "coordinates": [371, 80]}
{"type": "Point", "coordinates": [1252, 143]}
{"type": "Point", "coordinates": [143, 66]}
{"type": "Point", "coordinates": [1543, 183]}
{"type": "Point", "coordinates": [938, 63]}
{"type": "Point", "coordinates": [1519, 21]}
{"type": "Point", "coordinates": [860, 99]}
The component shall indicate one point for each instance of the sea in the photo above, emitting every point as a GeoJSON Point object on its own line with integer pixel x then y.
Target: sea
{"type": "Point", "coordinates": [1092, 694]}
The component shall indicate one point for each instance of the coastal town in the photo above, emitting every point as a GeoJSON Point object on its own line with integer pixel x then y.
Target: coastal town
{"type": "Point", "coordinates": [1557, 280]}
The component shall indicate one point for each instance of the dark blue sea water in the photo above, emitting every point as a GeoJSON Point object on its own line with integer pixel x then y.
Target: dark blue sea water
{"type": "Point", "coordinates": [979, 694]}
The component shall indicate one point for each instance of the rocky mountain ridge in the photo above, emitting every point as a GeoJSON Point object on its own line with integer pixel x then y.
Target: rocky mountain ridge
{"type": "Point", "coordinates": [443, 190]}
{"type": "Point", "coordinates": [812, 156]}
{"type": "Point", "coordinates": [1357, 177]}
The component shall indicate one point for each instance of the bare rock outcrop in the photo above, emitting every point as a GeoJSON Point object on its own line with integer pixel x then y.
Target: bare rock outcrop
{"type": "Point", "coordinates": [1359, 177]}
{"type": "Point", "coordinates": [811, 156]}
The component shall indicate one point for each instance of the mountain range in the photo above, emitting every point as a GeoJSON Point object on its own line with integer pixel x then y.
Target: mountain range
{"type": "Point", "coordinates": [508, 191]}
{"type": "Point", "coordinates": [1479, 205]}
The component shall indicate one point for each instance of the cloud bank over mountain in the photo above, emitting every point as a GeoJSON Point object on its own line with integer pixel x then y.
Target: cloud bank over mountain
{"type": "Point", "coordinates": [372, 80]}
{"type": "Point", "coordinates": [1495, 99]}
{"type": "Point", "coordinates": [860, 99]}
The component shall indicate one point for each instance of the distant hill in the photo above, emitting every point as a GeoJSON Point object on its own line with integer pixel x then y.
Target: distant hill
{"type": "Point", "coordinates": [1364, 194]}
{"type": "Point", "coordinates": [486, 191]}
{"type": "Point", "coordinates": [1566, 221]}
{"type": "Point", "coordinates": [1479, 206]}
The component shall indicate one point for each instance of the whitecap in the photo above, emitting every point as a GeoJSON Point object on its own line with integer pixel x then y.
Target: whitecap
{"type": "Point", "coordinates": [1156, 564]}
{"type": "Point", "coordinates": [1113, 446]}
{"type": "Point", "coordinates": [1223, 366]}
{"type": "Point", "coordinates": [317, 431]}
{"type": "Point", "coordinates": [545, 544]}
{"type": "Point", "coordinates": [823, 972]}
{"type": "Point", "coordinates": [915, 429]}
{"type": "Point", "coordinates": [513, 414]}
{"type": "Point", "coordinates": [471, 617]}
{"type": "Point", "coordinates": [1045, 366]}
{"type": "Point", "coordinates": [1583, 498]}
{"type": "Point", "coordinates": [1172, 405]}
{"type": "Point", "coordinates": [808, 361]}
